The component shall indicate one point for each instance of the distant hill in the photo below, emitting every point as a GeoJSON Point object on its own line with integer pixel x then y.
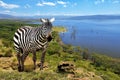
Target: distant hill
{"type": "Point", "coordinates": [95, 17]}
{"type": "Point", "coordinates": [61, 17]}
{"type": "Point", "coordinates": [6, 16]}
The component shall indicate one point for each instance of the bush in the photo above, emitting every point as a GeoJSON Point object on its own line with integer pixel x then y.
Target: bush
{"type": "Point", "coordinates": [86, 54]}
{"type": "Point", "coordinates": [54, 48]}
{"type": "Point", "coordinates": [6, 43]}
{"type": "Point", "coordinates": [68, 49]}
{"type": "Point", "coordinates": [107, 75]}
{"type": "Point", "coordinates": [8, 53]}
{"type": "Point", "coordinates": [106, 63]}
{"type": "Point", "coordinates": [55, 36]}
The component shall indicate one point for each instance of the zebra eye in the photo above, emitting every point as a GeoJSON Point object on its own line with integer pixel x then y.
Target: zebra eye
{"type": "Point", "coordinates": [45, 29]}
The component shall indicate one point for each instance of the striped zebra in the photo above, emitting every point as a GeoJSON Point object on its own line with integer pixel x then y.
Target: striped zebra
{"type": "Point", "coordinates": [29, 39]}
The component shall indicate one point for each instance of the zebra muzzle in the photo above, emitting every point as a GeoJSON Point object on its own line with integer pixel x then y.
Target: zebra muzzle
{"type": "Point", "coordinates": [49, 38]}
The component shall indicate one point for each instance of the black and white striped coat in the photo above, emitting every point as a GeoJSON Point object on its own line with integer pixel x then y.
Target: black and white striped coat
{"type": "Point", "coordinates": [30, 39]}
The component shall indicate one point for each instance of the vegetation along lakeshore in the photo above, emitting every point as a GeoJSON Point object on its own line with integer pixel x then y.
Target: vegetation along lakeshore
{"type": "Point", "coordinates": [62, 62]}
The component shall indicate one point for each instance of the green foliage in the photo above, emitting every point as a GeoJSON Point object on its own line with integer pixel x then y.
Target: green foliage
{"type": "Point", "coordinates": [107, 75]}
{"type": "Point", "coordinates": [59, 29]}
{"type": "Point", "coordinates": [85, 54]}
{"type": "Point", "coordinates": [106, 63]}
{"type": "Point", "coordinates": [6, 52]}
{"type": "Point", "coordinates": [54, 48]}
{"type": "Point", "coordinates": [68, 49]}
{"type": "Point", "coordinates": [71, 49]}
{"type": "Point", "coordinates": [55, 36]}
{"type": "Point", "coordinates": [6, 43]}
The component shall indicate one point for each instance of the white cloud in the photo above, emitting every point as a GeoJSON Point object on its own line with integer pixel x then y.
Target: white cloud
{"type": "Point", "coordinates": [49, 3]}
{"type": "Point", "coordinates": [99, 1]}
{"type": "Point", "coordinates": [40, 4]}
{"type": "Point", "coordinates": [46, 3]}
{"type": "Point", "coordinates": [61, 2]}
{"type": "Point", "coordinates": [27, 6]}
{"type": "Point", "coordinates": [116, 1]}
{"type": "Point", "coordinates": [7, 12]}
{"type": "Point", "coordinates": [8, 6]}
{"type": "Point", "coordinates": [69, 14]}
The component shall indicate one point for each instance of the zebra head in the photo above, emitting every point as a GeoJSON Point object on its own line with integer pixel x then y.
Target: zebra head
{"type": "Point", "coordinates": [47, 26]}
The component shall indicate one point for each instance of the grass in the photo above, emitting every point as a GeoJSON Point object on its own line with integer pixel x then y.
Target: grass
{"type": "Point", "coordinates": [50, 72]}
{"type": "Point", "coordinates": [42, 75]}
{"type": "Point", "coordinates": [59, 29]}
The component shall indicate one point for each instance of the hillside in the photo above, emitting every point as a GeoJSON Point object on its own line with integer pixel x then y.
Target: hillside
{"type": "Point", "coordinates": [80, 64]}
{"type": "Point", "coordinates": [5, 16]}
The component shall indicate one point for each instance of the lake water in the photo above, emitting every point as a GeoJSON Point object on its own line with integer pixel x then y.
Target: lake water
{"type": "Point", "coordinates": [101, 36]}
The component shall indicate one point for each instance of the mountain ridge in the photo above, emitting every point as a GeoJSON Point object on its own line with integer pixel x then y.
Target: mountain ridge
{"type": "Point", "coordinates": [63, 17]}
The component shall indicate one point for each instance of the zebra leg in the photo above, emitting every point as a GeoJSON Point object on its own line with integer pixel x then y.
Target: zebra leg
{"type": "Point", "coordinates": [34, 59]}
{"type": "Point", "coordinates": [42, 58]}
{"type": "Point", "coordinates": [19, 61]}
{"type": "Point", "coordinates": [23, 57]}
{"type": "Point", "coordinates": [22, 63]}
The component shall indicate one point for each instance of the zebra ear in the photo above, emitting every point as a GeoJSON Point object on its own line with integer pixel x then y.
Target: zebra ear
{"type": "Point", "coordinates": [53, 19]}
{"type": "Point", "coordinates": [42, 20]}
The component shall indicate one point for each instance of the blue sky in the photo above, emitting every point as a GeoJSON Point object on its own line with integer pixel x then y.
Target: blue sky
{"type": "Point", "coordinates": [59, 7]}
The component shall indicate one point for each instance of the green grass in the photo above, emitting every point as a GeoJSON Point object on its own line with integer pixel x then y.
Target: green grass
{"type": "Point", "coordinates": [42, 75]}
{"type": "Point", "coordinates": [59, 29]}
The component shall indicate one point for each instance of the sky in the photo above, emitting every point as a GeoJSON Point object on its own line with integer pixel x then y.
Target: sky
{"type": "Point", "coordinates": [59, 7]}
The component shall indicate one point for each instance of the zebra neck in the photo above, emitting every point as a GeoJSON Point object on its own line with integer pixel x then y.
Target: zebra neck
{"type": "Point", "coordinates": [40, 36]}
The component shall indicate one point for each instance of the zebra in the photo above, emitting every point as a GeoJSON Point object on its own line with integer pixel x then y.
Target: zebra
{"type": "Point", "coordinates": [29, 39]}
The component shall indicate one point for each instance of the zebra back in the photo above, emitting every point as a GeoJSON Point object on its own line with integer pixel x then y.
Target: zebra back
{"type": "Point", "coordinates": [28, 38]}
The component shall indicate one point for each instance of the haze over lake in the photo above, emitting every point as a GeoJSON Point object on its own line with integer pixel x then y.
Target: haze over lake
{"type": "Point", "coordinates": [100, 36]}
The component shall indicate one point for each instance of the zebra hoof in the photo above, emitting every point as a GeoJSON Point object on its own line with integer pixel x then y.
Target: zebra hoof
{"type": "Point", "coordinates": [34, 68]}
{"type": "Point", "coordinates": [19, 69]}
{"type": "Point", "coordinates": [41, 67]}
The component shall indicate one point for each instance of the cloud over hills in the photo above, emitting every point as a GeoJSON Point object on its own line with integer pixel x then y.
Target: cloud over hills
{"type": "Point", "coordinates": [8, 6]}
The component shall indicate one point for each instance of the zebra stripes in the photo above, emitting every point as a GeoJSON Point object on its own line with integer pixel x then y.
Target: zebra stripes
{"type": "Point", "coordinates": [30, 39]}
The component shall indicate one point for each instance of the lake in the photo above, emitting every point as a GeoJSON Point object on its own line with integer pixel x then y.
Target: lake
{"type": "Point", "coordinates": [101, 36]}
{"type": "Point", "coordinates": [98, 36]}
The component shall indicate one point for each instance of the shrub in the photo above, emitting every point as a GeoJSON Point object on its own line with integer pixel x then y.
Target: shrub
{"type": "Point", "coordinates": [106, 63]}
{"type": "Point", "coordinates": [8, 53]}
{"type": "Point", "coordinates": [54, 48]}
{"type": "Point", "coordinates": [6, 43]}
{"type": "Point", "coordinates": [106, 75]}
{"type": "Point", "coordinates": [68, 49]}
{"type": "Point", "coordinates": [86, 54]}
{"type": "Point", "coordinates": [55, 36]}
